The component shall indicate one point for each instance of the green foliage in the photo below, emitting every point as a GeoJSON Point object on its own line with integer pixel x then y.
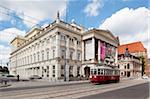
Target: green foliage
{"type": "Point", "coordinates": [143, 64]}
{"type": "Point", "coordinates": [4, 69]}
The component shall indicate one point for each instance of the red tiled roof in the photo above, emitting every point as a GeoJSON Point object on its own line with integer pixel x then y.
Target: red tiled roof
{"type": "Point", "coordinates": [132, 47]}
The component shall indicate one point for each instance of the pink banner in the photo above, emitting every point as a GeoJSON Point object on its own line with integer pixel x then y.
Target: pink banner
{"type": "Point", "coordinates": [102, 51]}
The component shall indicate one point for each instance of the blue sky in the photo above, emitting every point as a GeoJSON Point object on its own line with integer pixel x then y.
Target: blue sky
{"type": "Point", "coordinates": [124, 18]}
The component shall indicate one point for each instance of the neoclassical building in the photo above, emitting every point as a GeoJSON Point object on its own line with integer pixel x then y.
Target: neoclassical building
{"type": "Point", "coordinates": [60, 49]}
{"type": "Point", "coordinates": [97, 45]}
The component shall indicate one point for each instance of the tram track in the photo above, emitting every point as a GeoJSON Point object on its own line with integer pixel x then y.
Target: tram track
{"type": "Point", "coordinates": [36, 92]}
{"type": "Point", "coordinates": [64, 91]}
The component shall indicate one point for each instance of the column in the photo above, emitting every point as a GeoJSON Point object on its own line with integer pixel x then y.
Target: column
{"type": "Point", "coordinates": [50, 47]}
{"type": "Point", "coordinates": [116, 56]}
{"type": "Point", "coordinates": [66, 69]}
{"type": "Point", "coordinates": [83, 51]}
{"type": "Point", "coordinates": [57, 71]}
{"type": "Point", "coordinates": [75, 70]}
{"type": "Point", "coordinates": [76, 58]}
{"type": "Point", "coordinates": [93, 48]}
{"type": "Point", "coordinates": [67, 48]}
{"type": "Point", "coordinates": [75, 54]}
{"type": "Point", "coordinates": [99, 51]}
{"type": "Point", "coordinates": [40, 70]}
{"type": "Point", "coordinates": [50, 71]}
{"type": "Point", "coordinates": [57, 44]}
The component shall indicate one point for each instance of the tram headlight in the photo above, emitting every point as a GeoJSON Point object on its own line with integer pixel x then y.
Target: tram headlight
{"type": "Point", "coordinates": [90, 76]}
{"type": "Point", "coordinates": [94, 76]}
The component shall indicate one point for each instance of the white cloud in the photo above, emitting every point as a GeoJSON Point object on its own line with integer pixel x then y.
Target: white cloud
{"type": "Point", "coordinates": [8, 34]}
{"type": "Point", "coordinates": [4, 54]}
{"type": "Point", "coordinates": [92, 9]}
{"type": "Point", "coordinates": [37, 9]}
{"type": "Point", "coordinates": [130, 25]}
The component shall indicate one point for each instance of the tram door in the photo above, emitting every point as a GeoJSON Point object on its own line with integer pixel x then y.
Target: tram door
{"type": "Point", "coordinates": [87, 71]}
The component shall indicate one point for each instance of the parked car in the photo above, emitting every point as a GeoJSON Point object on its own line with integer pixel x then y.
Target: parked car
{"type": "Point", "coordinates": [145, 77]}
{"type": "Point", "coordinates": [35, 77]}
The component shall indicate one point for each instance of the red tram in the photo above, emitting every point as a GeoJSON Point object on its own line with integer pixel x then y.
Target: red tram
{"type": "Point", "coordinates": [103, 74]}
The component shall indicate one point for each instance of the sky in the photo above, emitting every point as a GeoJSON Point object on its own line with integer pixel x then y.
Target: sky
{"type": "Point", "coordinates": [128, 19]}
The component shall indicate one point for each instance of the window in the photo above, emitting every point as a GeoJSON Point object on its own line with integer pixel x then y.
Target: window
{"type": "Point", "coordinates": [25, 60]}
{"type": "Point", "coordinates": [62, 54]}
{"type": "Point", "coordinates": [31, 58]}
{"type": "Point", "coordinates": [38, 56]}
{"type": "Point", "coordinates": [47, 71]}
{"type": "Point", "coordinates": [125, 67]}
{"type": "Point", "coordinates": [71, 55]}
{"type": "Point", "coordinates": [62, 70]}
{"type": "Point", "coordinates": [47, 52]}
{"type": "Point", "coordinates": [98, 71]}
{"type": "Point", "coordinates": [34, 57]}
{"type": "Point", "coordinates": [48, 40]}
{"type": "Point", "coordinates": [53, 70]}
{"type": "Point", "coordinates": [28, 59]}
{"type": "Point", "coordinates": [71, 71]}
{"type": "Point", "coordinates": [53, 53]}
{"type": "Point", "coordinates": [124, 73]}
{"type": "Point", "coordinates": [42, 71]}
{"type": "Point", "coordinates": [92, 72]}
{"type": "Point", "coordinates": [78, 71]}
{"type": "Point", "coordinates": [118, 66]}
{"type": "Point", "coordinates": [102, 72]}
{"type": "Point", "coordinates": [78, 56]}
{"type": "Point", "coordinates": [95, 72]}
{"type": "Point", "coordinates": [42, 43]}
{"type": "Point", "coordinates": [42, 55]}
{"type": "Point", "coordinates": [128, 66]}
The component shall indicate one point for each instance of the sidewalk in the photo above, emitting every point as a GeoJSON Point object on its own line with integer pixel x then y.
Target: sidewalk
{"type": "Point", "coordinates": [39, 84]}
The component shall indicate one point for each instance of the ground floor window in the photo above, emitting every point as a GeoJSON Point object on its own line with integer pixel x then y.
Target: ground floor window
{"type": "Point", "coordinates": [42, 71]}
{"type": "Point", "coordinates": [128, 74]}
{"type": "Point", "coordinates": [47, 71]}
{"type": "Point", "coordinates": [71, 71]}
{"type": "Point", "coordinates": [53, 70]}
{"type": "Point", "coordinates": [78, 71]}
{"type": "Point", "coordinates": [62, 70]}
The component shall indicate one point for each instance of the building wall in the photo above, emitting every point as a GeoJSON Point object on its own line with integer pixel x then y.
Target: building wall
{"type": "Point", "coordinates": [129, 65]}
{"type": "Point", "coordinates": [44, 55]}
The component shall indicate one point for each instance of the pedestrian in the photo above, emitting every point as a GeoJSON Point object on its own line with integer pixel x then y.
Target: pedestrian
{"type": "Point", "coordinates": [17, 77]}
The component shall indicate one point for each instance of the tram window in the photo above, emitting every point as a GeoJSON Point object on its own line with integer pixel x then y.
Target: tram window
{"type": "Point", "coordinates": [92, 71]}
{"type": "Point", "coordinates": [98, 71]}
{"type": "Point", "coordinates": [105, 72]}
{"type": "Point", "coordinates": [101, 72]}
{"type": "Point", "coordinates": [95, 72]}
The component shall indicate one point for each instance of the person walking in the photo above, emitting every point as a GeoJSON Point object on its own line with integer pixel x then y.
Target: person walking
{"type": "Point", "coordinates": [18, 78]}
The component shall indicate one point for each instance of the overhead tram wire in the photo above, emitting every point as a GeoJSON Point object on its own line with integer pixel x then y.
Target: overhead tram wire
{"type": "Point", "coordinates": [28, 21]}
{"type": "Point", "coordinates": [15, 11]}
{"type": "Point", "coordinates": [20, 18]}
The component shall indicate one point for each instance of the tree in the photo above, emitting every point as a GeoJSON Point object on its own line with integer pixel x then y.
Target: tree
{"type": "Point", "coordinates": [143, 64]}
{"type": "Point", "coordinates": [1, 69]}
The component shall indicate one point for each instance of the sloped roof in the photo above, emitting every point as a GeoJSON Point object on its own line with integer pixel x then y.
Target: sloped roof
{"type": "Point", "coordinates": [132, 47]}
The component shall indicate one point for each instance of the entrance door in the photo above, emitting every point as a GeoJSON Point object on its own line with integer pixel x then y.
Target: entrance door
{"type": "Point", "coordinates": [128, 74]}
{"type": "Point", "coordinates": [87, 71]}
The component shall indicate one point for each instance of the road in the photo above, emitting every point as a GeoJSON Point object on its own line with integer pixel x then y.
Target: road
{"type": "Point", "coordinates": [68, 91]}
{"type": "Point", "coordinates": [140, 91]}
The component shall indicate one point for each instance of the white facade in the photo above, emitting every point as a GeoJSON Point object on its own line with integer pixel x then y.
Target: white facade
{"type": "Point", "coordinates": [130, 67]}
{"type": "Point", "coordinates": [47, 51]}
